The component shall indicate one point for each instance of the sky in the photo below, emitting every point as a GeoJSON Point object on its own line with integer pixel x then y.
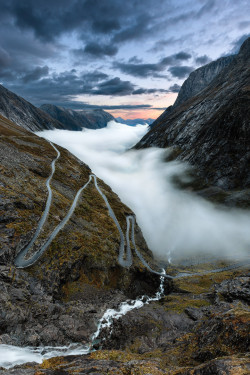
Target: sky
{"type": "Point", "coordinates": [127, 57]}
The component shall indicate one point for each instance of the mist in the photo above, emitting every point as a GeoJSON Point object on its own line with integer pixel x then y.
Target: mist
{"type": "Point", "coordinates": [176, 224]}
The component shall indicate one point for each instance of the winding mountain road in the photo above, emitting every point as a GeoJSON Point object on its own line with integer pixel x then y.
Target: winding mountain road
{"type": "Point", "coordinates": [125, 258]}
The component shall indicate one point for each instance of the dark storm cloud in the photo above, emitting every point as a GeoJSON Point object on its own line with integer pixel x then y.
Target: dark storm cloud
{"type": "Point", "coordinates": [114, 87]}
{"type": "Point", "coordinates": [49, 19]}
{"type": "Point", "coordinates": [67, 85]}
{"type": "Point", "coordinates": [135, 60]}
{"type": "Point", "coordinates": [175, 88]}
{"type": "Point", "coordinates": [36, 74]}
{"type": "Point", "coordinates": [136, 31]}
{"type": "Point", "coordinates": [147, 70]}
{"type": "Point", "coordinates": [106, 25]}
{"type": "Point", "coordinates": [180, 71]}
{"type": "Point", "coordinates": [148, 91]}
{"type": "Point", "coordinates": [99, 50]}
{"type": "Point", "coordinates": [182, 56]}
{"type": "Point", "coordinates": [94, 76]}
{"type": "Point", "coordinates": [202, 60]}
{"type": "Point", "coordinates": [139, 70]}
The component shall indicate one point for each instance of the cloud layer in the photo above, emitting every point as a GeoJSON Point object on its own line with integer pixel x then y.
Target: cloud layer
{"type": "Point", "coordinates": [176, 224]}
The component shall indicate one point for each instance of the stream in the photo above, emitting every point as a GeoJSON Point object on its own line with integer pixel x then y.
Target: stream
{"type": "Point", "coordinates": [11, 356]}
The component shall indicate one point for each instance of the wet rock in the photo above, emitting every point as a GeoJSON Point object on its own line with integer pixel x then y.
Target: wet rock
{"type": "Point", "coordinates": [236, 289]}
{"type": "Point", "coordinates": [194, 313]}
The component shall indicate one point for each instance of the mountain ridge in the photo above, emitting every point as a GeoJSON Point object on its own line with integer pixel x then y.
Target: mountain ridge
{"type": "Point", "coordinates": [133, 122]}
{"type": "Point", "coordinates": [76, 120]}
{"type": "Point", "coordinates": [20, 111]}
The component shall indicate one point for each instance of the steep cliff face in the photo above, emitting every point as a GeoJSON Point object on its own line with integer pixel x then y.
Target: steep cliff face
{"type": "Point", "coordinates": [212, 129]}
{"type": "Point", "coordinates": [24, 114]}
{"type": "Point", "coordinates": [76, 120]}
{"type": "Point", "coordinates": [200, 79]}
{"type": "Point", "coordinates": [59, 298]}
{"type": "Point", "coordinates": [195, 83]}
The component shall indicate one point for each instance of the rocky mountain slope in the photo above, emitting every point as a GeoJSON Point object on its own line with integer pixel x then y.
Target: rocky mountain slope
{"type": "Point", "coordinates": [59, 299]}
{"type": "Point", "coordinates": [24, 114]}
{"type": "Point", "coordinates": [195, 83]}
{"type": "Point", "coordinates": [211, 130]}
{"type": "Point", "coordinates": [200, 79]}
{"type": "Point", "coordinates": [76, 120]}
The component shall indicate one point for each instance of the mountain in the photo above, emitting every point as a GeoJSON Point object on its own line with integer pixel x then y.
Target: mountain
{"type": "Point", "coordinates": [195, 83]}
{"type": "Point", "coordinates": [136, 121]}
{"type": "Point", "coordinates": [200, 78]}
{"type": "Point", "coordinates": [76, 120]}
{"type": "Point", "coordinates": [24, 114]}
{"type": "Point", "coordinates": [58, 298]}
{"type": "Point", "coordinates": [196, 324]}
{"type": "Point", "coordinates": [211, 130]}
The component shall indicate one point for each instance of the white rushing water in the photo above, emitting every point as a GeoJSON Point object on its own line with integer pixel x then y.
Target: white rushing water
{"type": "Point", "coordinates": [175, 224]}
{"type": "Point", "coordinates": [11, 356]}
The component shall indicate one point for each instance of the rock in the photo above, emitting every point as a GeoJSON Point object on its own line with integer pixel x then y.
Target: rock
{"type": "Point", "coordinates": [223, 366]}
{"type": "Point", "coordinates": [194, 313]}
{"type": "Point", "coordinates": [23, 113]}
{"type": "Point", "coordinates": [76, 120]}
{"type": "Point", "coordinates": [236, 289]}
{"type": "Point", "coordinates": [201, 78]}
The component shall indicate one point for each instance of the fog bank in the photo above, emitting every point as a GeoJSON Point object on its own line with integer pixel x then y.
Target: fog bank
{"type": "Point", "coordinates": [175, 224]}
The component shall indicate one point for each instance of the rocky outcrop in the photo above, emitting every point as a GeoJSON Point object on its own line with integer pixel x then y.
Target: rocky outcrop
{"type": "Point", "coordinates": [194, 330]}
{"type": "Point", "coordinates": [76, 120]}
{"type": "Point", "coordinates": [200, 79]}
{"type": "Point", "coordinates": [211, 130]}
{"type": "Point", "coordinates": [24, 114]}
{"type": "Point", "coordinates": [195, 83]}
{"type": "Point", "coordinates": [59, 299]}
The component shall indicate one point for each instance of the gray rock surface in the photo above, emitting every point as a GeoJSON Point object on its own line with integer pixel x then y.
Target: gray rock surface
{"type": "Point", "coordinates": [200, 79]}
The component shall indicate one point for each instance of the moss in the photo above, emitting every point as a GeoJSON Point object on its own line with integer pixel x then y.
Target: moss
{"type": "Point", "coordinates": [53, 363]}
{"type": "Point", "coordinates": [179, 303]}
{"type": "Point", "coordinates": [203, 283]}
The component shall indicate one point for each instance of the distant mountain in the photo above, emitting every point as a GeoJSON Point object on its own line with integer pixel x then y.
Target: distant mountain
{"type": "Point", "coordinates": [24, 114]}
{"type": "Point", "coordinates": [76, 120]}
{"type": "Point", "coordinates": [136, 121]}
{"type": "Point", "coordinates": [211, 129]}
